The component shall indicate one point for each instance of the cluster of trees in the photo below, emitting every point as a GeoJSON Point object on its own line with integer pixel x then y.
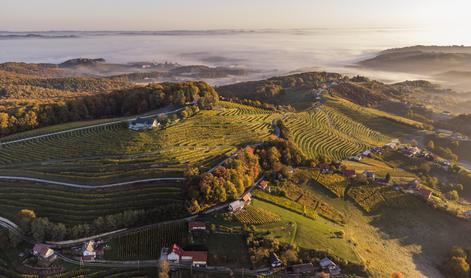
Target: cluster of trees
{"type": "Point", "coordinates": [460, 123]}
{"type": "Point", "coordinates": [277, 155]}
{"type": "Point", "coordinates": [41, 228]}
{"type": "Point", "coordinates": [225, 183]}
{"type": "Point", "coordinates": [457, 264]}
{"type": "Point", "coordinates": [268, 90]}
{"type": "Point", "coordinates": [260, 247]}
{"type": "Point", "coordinates": [114, 104]}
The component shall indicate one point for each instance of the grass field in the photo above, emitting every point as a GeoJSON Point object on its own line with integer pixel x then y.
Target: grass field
{"type": "Point", "coordinates": [75, 206]}
{"type": "Point", "coordinates": [326, 132]}
{"type": "Point", "coordinates": [312, 234]}
{"type": "Point", "coordinates": [114, 153]}
{"type": "Point", "coordinates": [147, 243]}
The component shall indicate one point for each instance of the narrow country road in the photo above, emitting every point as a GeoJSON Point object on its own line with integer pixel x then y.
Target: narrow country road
{"type": "Point", "coordinates": [85, 127]}
{"type": "Point", "coordinates": [82, 186]}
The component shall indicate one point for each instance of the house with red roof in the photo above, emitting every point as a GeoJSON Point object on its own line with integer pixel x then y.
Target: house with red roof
{"type": "Point", "coordinates": [196, 226]}
{"type": "Point", "coordinates": [194, 258]}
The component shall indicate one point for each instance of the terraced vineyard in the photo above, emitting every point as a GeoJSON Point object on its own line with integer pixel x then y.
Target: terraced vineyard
{"type": "Point", "coordinates": [333, 182]}
{"type": "Point", "coordinates": [371, 197]}
{"type": "Point", "coordinates": [114, 153]}
{"type": "Point", "coordinates": [75, 206]}
{"type": "Point", "coordinates": [147, 243]}
{"type": "Point", "coordinates": [256, 216]}
{"type": "Point", "coordinates": [326, 132]}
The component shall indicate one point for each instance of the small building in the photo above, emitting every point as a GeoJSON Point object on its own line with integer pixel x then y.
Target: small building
{"type": "Point", "coordinates": [301, 269]}
{"type": "Point", "coordinates": [175, 254]}
{"type": "Point", "coordinates": [236, 206]}
{"type": "Point", "coordinates": [143, 124]}
{"type": "Point", "coordinates": [193, 258]}
{"type": "Point", "coordinates": [467, 213]}
{"type": "Point", "coordinates": [413, 184]}
{"type": "Point", "coordinates": [45, 255]}
{"type": "Point", "coordinates": [88, 251]}
{"type": "Point", "coordinates": [275, 260]}
{"type": "Point", "coordinates": [411, 151]}
{"type": "Point", "coordinates": [247, 197]}
{"type": "Point", "coordinates": [366, 153]}
{"type": "Point", "coordinates": [425, 193]}
{"type": "Point", "coordinates": [263, 185]}
{"type": "Point", "coordinates": [197, 258]}
{"type": "Point", "coordinates": [330, 266]}
{"type": "Point", "coordinates": [196, 226]}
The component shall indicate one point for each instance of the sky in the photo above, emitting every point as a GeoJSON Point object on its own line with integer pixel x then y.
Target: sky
{"type": "Point", "coordinates": [89, 15]}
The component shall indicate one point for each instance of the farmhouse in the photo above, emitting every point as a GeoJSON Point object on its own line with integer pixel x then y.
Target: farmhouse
{"type": "Point", "coordinates": [196, 226]}
{"type": "Point", "coordinates": [88, 251]}
{"type": "Point", "coordinates": [236, 206]}
{"type": "Point", "coordinates": [330, 266]}
{"type": "Point", "coordinates": [263, 185]}
{"type": "Point", "coordinates": [390, 146]}
{"type": "Point", "coordinates": [44, 254]}
{"type": "Point", "coordinates": [194, 258]}
{"type": "Point", "coordinates": [247, 198]}
{"type": "Point", "coordinates": [143, 124]}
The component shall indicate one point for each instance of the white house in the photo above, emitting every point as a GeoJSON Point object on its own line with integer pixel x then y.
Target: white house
{"type": "Point", "coordinates": [45, 255]}
{"type": "Point", "coordinates": [143, 124]}
{"type": "Point", "coordinates": [88, 251]}
{"type": "Point", "coordinates": [236, 205]}
{"type": "Point", "coordinates": [175, 254]}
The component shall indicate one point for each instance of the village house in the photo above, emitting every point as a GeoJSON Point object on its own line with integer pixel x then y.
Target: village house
{"type": "Point", "coordinates": [263, 185]}
{"type": "Point", "coordinates": [143, 124]}
{"type": "Point", "coordinates": [88, 251]}
{"type": "Point", "coordinates": [193, 258]}
{"type": "Point", "coordinates": [467, 213]}
{"type": "Point", "coordinates": [356, 158]}
{"type": "Point", "coordinates": [411, 151]}
{"type": "Point", "coordinates": [196, 226]}
{"type": "Point", "coordinates": [236, 206]}
{"type": "Point", "coordinates": [390, 146]}
{"type": "Point", "coordinates": [247, 198]}
{"type": "Point", "coordinates": [325, 168]}
{"type": "Point", "coordinates": [45, 255]}
{"type": "Point", "coordinates": [330, 266]}
{"type": "Point", "coordinates": [366, 153]}
{"type": "Point", "coordinates": [275, 260]}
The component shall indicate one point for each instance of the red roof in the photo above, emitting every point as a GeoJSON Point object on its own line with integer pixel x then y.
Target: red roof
{"type": "Point", "coordinates": [200, 256]}
{"type": "Point", "coordinates": [196, 224]}
{"type": "Point", "coordinates": [177, 250]}
{"type": "Point", "coordinates": [263, 184]}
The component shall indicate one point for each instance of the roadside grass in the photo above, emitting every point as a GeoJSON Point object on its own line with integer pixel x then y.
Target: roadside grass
{"type": "Point", "coordinates": [313, 234]}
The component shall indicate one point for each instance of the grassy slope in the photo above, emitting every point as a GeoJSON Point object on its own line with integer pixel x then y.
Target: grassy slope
{"type": "Point", "coordinates": [313, 234]}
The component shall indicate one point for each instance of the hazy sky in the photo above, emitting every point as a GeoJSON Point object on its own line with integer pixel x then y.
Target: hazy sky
{"type": "Point", "coordinates": [18, 15]}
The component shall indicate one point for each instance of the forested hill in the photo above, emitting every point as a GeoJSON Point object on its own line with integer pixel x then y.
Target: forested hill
{"type": "Point", "coordinates": [20, 112]}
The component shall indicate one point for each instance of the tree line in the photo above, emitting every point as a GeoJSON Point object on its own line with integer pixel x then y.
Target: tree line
{"type": "Point", "coordinates": [117, 103]}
